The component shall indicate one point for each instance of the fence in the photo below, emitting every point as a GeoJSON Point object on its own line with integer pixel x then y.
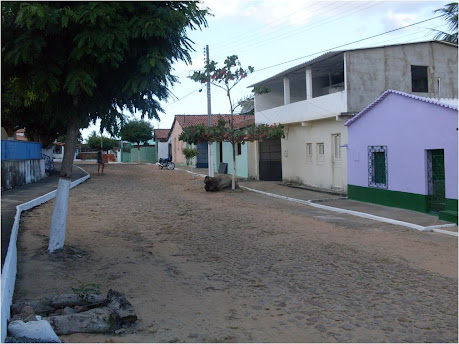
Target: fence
{"type": "Point", "coordinates": [22, 163]}
{"type": "Point", "coordinates": [18, 150]}
{"type": "Point", "coordinates": [147, 154]}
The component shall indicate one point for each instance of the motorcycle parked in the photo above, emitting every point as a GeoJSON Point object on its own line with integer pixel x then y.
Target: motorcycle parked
{"type": "Point", "coordinates": [166, 163]}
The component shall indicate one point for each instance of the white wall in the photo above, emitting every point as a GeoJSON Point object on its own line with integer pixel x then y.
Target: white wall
{"type": "Point", "coordinates": [22, 172]}
{"type": "Point", "coordinates": [162, 150]}
{"type": "Point", "coordinates": [326, 106]}
{"type": "Point", "coordinates": [9, 269]}
{"type": "Point", "coordinates": [296, 166]}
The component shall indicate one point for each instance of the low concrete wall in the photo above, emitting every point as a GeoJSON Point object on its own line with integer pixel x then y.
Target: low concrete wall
{"type": "Point", "coordinates": [16, 173]}
{"type": "Point", "coordinates": [8, 279]}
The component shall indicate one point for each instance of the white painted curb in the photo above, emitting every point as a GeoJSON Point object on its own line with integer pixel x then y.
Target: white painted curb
{"type": "Point", "coordinates": [360, 214]}
{"type": "Point", "coordinates": [351, 212]}
{"type": "Point", "coordinates": [10, 266]}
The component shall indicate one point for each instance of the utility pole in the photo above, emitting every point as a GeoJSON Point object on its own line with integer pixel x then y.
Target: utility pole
{"type": "Point", "coordinates": [209, 119]}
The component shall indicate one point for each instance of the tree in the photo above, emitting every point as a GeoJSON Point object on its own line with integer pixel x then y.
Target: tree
{"type": "Point", "coordinates": [222, 132]}
{"type": "Point", "coordinates": [225, 78]}
{"type": "Point", "coordinates": [137, 131]}
{"type": "Point", "coordinates": [189, 154]}
{"type": "Point", "coordinates": [449, 12]}
{"type": "Point", "coordinates": [81, 61]}
{"type": "Point", "coordinates": [94, 142]}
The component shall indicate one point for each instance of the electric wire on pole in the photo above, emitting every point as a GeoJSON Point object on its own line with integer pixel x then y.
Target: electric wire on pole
{"type": "Point", "coordinates": [210, 160]}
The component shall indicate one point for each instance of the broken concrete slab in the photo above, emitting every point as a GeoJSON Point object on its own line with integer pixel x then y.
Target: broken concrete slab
{"type": "Point", "coordinates": [40, 330]}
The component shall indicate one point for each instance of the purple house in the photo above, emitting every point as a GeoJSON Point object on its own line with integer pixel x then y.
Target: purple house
{"type": "Point", "coordinates": [403, 152]}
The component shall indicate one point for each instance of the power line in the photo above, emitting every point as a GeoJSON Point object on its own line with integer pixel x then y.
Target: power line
{"type": "Point", "coordinates": [323, 51]}
{"type": "Point", "coordinates": [291, 33]}
{"type": "Point", "coordinates": [302, 30]}
{"type": "Point", "coordinates": [343, 45]}
{"type": "Point", "coordinates": [268, 25]}
{"type": "Point", "coordinates": [179, 99]}
{"type": "Point", "coordinates": [252, 36]}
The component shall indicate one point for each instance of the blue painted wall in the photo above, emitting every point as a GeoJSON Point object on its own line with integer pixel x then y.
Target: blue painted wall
{"type": "Point", "coordinates": [242, 168]}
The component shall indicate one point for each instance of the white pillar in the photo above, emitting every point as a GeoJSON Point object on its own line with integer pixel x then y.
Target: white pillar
{"type": "Point", "coordinates": [286, 91]}
{"type": "Point", "coordinates": [308, 83]}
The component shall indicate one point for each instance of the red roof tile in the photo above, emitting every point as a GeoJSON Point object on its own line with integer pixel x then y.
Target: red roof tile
{"type": "Point", "coordinates": [161, 134]}
{"type": "Point", "coordinates": [240, 121]}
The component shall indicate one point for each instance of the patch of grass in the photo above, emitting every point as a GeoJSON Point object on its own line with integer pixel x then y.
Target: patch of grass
{"type": "Point", "coordinates": [85, 289]}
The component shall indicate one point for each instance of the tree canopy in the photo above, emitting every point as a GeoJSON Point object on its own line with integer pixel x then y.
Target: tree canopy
{"type": "Point", "coordinates": [226, 77]}
{"type": "Point", "coordinates": [80, 61]}
{"type": "Point", "coordinates": [449, 13]}
{"type": "Point", "coordinates": [94, 142]}
{"type": "Point", "coordinates": [137, 131]}
{"type": "Point", "coordinates": [72, 63]}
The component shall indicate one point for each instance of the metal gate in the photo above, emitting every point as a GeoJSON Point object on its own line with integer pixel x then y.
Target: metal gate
{"type": "Point", "coordinates": [436, 179]}
{"type": "Point", "coordinates": [270, 160]}
{"type": "Point", "coordinates": [202, 158]}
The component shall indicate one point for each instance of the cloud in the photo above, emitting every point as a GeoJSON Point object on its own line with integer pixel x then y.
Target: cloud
{"type": "Point", "coordinates": [272, 12]}
{"type": "Point", "coordinates": [394, 20]}
{"type": "Point", "coordinates": [183, 70]}
{"type": "Point", "coordinates": [221, 9]}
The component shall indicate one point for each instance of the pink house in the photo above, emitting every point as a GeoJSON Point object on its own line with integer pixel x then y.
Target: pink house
{"type": "Point", "coordinates": [183, 121]}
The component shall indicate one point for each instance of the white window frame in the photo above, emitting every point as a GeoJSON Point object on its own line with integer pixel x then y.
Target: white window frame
{"type": "Point", "coordinates": [309, 151]}
{"type": "Point", "coordinates": [320, 156]}
{"type": "Point", "coordinates": [336, 142]}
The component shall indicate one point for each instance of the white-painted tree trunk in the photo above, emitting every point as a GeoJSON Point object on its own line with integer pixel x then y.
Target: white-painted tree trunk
{"type": "Point", "coordinates": [59, 217]}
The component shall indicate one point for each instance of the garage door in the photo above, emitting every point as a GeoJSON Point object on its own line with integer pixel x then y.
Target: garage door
{"type": "Point", "coordinates": [270, 160]}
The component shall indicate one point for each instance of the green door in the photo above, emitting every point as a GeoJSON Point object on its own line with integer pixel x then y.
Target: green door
{"type": "Point", "coordinates": [436, 179]}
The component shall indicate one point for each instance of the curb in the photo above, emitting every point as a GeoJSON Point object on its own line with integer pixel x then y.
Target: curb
{"type": "Point", "coordinates": [352, 212]}
{"type": "Point", "coordinates": [10, 265]}
{"type": "Point", "coordinates": [364, 215]}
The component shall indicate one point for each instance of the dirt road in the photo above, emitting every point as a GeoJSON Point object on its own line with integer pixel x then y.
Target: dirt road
{"type": "Point", "coordinates": [239, 266]}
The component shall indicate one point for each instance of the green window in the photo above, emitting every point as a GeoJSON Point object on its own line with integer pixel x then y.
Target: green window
{"type": "Point", "coordinates": [379, 166]}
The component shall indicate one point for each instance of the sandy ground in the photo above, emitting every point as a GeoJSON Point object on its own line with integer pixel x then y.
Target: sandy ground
{"type": "Point", "coordinates": [236, 266]}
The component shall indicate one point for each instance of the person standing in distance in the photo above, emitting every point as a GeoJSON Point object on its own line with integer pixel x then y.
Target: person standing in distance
{"type": "Point", "coordinates": [100, 162]}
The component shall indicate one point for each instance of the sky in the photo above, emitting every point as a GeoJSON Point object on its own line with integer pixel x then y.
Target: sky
{"type": "Point", "coordinates": [266, 34]}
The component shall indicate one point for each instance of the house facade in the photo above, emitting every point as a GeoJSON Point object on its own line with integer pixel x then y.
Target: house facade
{"type": "Point", "coordinates": [222, 151]}
{"type": "Point", "coordinates": [162, 142]}
{"type": "Point", "coordinates": [314, 99]}
{"type": "Point", "coordinates": [403, 152]}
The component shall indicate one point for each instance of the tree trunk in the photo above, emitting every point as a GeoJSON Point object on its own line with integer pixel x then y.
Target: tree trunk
{"type": "Point", "coordinates": [59, 217]}
{"type": "Point", "coordinates": [217, 183]}
{"type": "Point", "coordinates": [49, 304]}
{"type": "Point", "coordinates": [233, 179]}
{"type": "Point", "coordinates": [97, 320]}
{"type": "Point", "coordinates": [118, 303]}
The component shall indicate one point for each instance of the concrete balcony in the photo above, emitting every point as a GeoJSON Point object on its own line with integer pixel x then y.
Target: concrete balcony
{"type": "Point", "coordinates": [326, 106]}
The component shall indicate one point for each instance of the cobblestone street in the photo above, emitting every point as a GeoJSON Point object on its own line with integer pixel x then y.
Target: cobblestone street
{"type": "Point", "coordinates": [236, 266]}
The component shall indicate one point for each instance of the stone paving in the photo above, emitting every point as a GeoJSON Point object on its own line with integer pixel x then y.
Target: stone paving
{"type": "Point", "coordinates": [237, 266]}
{"type": "Point", "coordinates": [346, 295]}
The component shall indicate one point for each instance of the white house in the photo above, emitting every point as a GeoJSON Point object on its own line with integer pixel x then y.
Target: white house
{"type": "Point", "coordinates": [162, 143]}
{"type": "Point", "coordinates": [314, 99]}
